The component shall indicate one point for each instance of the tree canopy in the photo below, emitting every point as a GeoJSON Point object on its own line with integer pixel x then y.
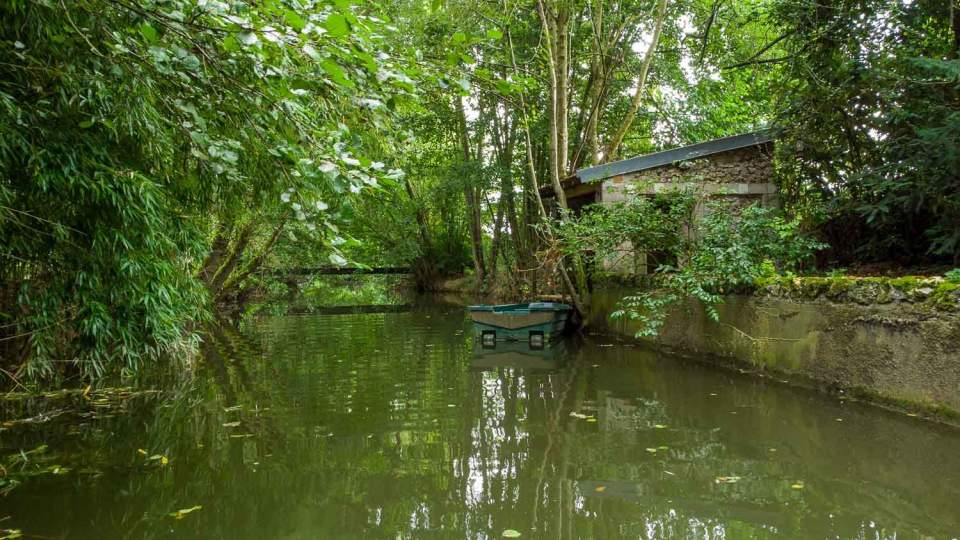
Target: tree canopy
{"type": "Point", "coordinates": [157, 156]}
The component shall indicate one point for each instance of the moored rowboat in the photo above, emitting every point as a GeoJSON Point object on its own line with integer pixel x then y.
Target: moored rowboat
{"type": "Point", "coordinates": [536, 322]}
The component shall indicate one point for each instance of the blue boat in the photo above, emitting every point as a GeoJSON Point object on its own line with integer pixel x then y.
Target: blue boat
{"type": "Point", "coordinates": [536, 322]}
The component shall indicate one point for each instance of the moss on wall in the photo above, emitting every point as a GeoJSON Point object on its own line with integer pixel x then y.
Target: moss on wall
{"type": "Point", "coordinates": [893, 341]}
{"type": "Point", "coordinates": [934, 293]}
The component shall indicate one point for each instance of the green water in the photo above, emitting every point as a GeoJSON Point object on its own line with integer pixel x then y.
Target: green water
{"type": "Point", "coordinates": [390, 425]}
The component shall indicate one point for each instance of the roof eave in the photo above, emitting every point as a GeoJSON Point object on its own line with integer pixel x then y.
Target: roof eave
{"type": "Point", "coordinates": [675, 155]}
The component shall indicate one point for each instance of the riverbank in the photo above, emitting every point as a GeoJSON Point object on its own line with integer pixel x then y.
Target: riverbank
{"type": "Point", "coordinates": [892, 342]}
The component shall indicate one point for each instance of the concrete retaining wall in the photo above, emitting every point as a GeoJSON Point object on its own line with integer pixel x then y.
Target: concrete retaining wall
{"type": "Point", "coordinates": [898, 354]}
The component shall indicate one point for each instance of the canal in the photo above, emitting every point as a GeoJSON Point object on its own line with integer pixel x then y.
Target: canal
{"type": "Point", "coordinates": [392, 425]}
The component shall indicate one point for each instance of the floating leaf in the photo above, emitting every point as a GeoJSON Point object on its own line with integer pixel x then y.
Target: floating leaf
{"type": "Point", "coordinates": [660, 426]}
{"type": "Point", "coordinates": [797, 485]}
{"type": "Point", "coordinates": [600, 489]}
{"type": "Point", "coordinates": [510, 533]}
{"type": "Point", "coordinates": [179, 514]}
{"type": "Point", "coordinates": [727, 479]}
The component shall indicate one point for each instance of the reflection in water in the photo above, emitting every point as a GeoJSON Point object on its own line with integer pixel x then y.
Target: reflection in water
{"type": "Point", "coordinates": [393, 425]}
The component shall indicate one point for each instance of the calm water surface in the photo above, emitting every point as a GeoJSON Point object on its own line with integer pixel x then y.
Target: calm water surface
{"type": "Point", "coordinates": [391, 425]}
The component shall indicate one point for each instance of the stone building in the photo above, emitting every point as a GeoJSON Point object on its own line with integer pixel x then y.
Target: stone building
{"type": "Point", "coordinates": [738, 167]}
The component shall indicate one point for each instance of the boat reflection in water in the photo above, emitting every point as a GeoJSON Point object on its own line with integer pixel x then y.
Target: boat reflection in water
{"type": "Point", "coordinates": [520, 355]}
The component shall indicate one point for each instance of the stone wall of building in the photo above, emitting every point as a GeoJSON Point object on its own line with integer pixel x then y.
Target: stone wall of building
{"type": "Point", "coordinates": [752, 165]}
{"type": "Point", "coordinates": [745, 174]}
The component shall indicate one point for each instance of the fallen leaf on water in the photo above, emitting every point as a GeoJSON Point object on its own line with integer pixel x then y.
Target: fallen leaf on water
{"type": "Point", "coordinates": [510, 533]}
{"type": "Point", "coordinates": [797, 485]}
{"type": "Point", "coordinates": [179, 514]}
{"type": "Point", "coordinates": [727, 479]}
{"type": "Point", "coordinates": [600, 489]}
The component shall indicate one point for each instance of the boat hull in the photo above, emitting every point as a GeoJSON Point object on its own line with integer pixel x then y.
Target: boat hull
{"type": "Point", "coordinates": [521, 322]}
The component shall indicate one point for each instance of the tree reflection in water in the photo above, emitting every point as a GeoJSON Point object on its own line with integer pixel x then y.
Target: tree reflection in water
{"type": "Point", "coordinates": [391, 425]}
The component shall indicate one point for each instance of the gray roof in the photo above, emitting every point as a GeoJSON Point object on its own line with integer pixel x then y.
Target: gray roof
{"type": "Point", "coordinates": [659, 159]}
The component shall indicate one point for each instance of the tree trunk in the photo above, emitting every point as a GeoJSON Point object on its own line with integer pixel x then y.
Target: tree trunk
{"type": "Point", "coordinates": [243, 240]}
{"type": "Point", "coordinates": [256, 263]}
{"type": "Point", "coordinates": [614, 145]}
{"type": "Point", "coordinates": [472, 199]}
{"type": "Point", "coordinates": [550, 35]}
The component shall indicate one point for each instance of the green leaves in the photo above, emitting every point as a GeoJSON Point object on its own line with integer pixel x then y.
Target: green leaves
{"type": "Point", "coordinates": [204, 118]}
{"type": "Point", "coordinates": [149, 33]}
{"type": "Point", "coordinates": [294, 19]}
{"type": "Point", "coordinates": [336, 73]}
{"type": "Point", "coordinates": [336, 25]}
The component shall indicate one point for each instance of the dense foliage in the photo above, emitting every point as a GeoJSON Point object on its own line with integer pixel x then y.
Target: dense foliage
{"type": "Point", "coordinates": [690, 247]}
{"type": "Point", "coordinates": [158, 158]}
{"type": "Point", "coordinates": [152, 153]}
{"type": "Point", "coordinates": [872, 125]}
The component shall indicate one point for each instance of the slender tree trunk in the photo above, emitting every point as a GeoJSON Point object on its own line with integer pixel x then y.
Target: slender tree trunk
{"type": "Point", "coordinates": [574, 294]}
{"type": "Point", "coordinates": [563, 96]}
{"type": "Point", "coordinates": [550, 32]}
{"type": "Point", "coordinates": [421, 217]}
{"type": "Point", "coordinates": [221, 241]}
{"type": "Point", "coordinates": [472, 199]}
{"type": "Point", "coordinates": [256, 263]}
{"type": "Point", "coordinates": [239, 246]}
{"type": "Point", "coordinates": [614, 145]}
